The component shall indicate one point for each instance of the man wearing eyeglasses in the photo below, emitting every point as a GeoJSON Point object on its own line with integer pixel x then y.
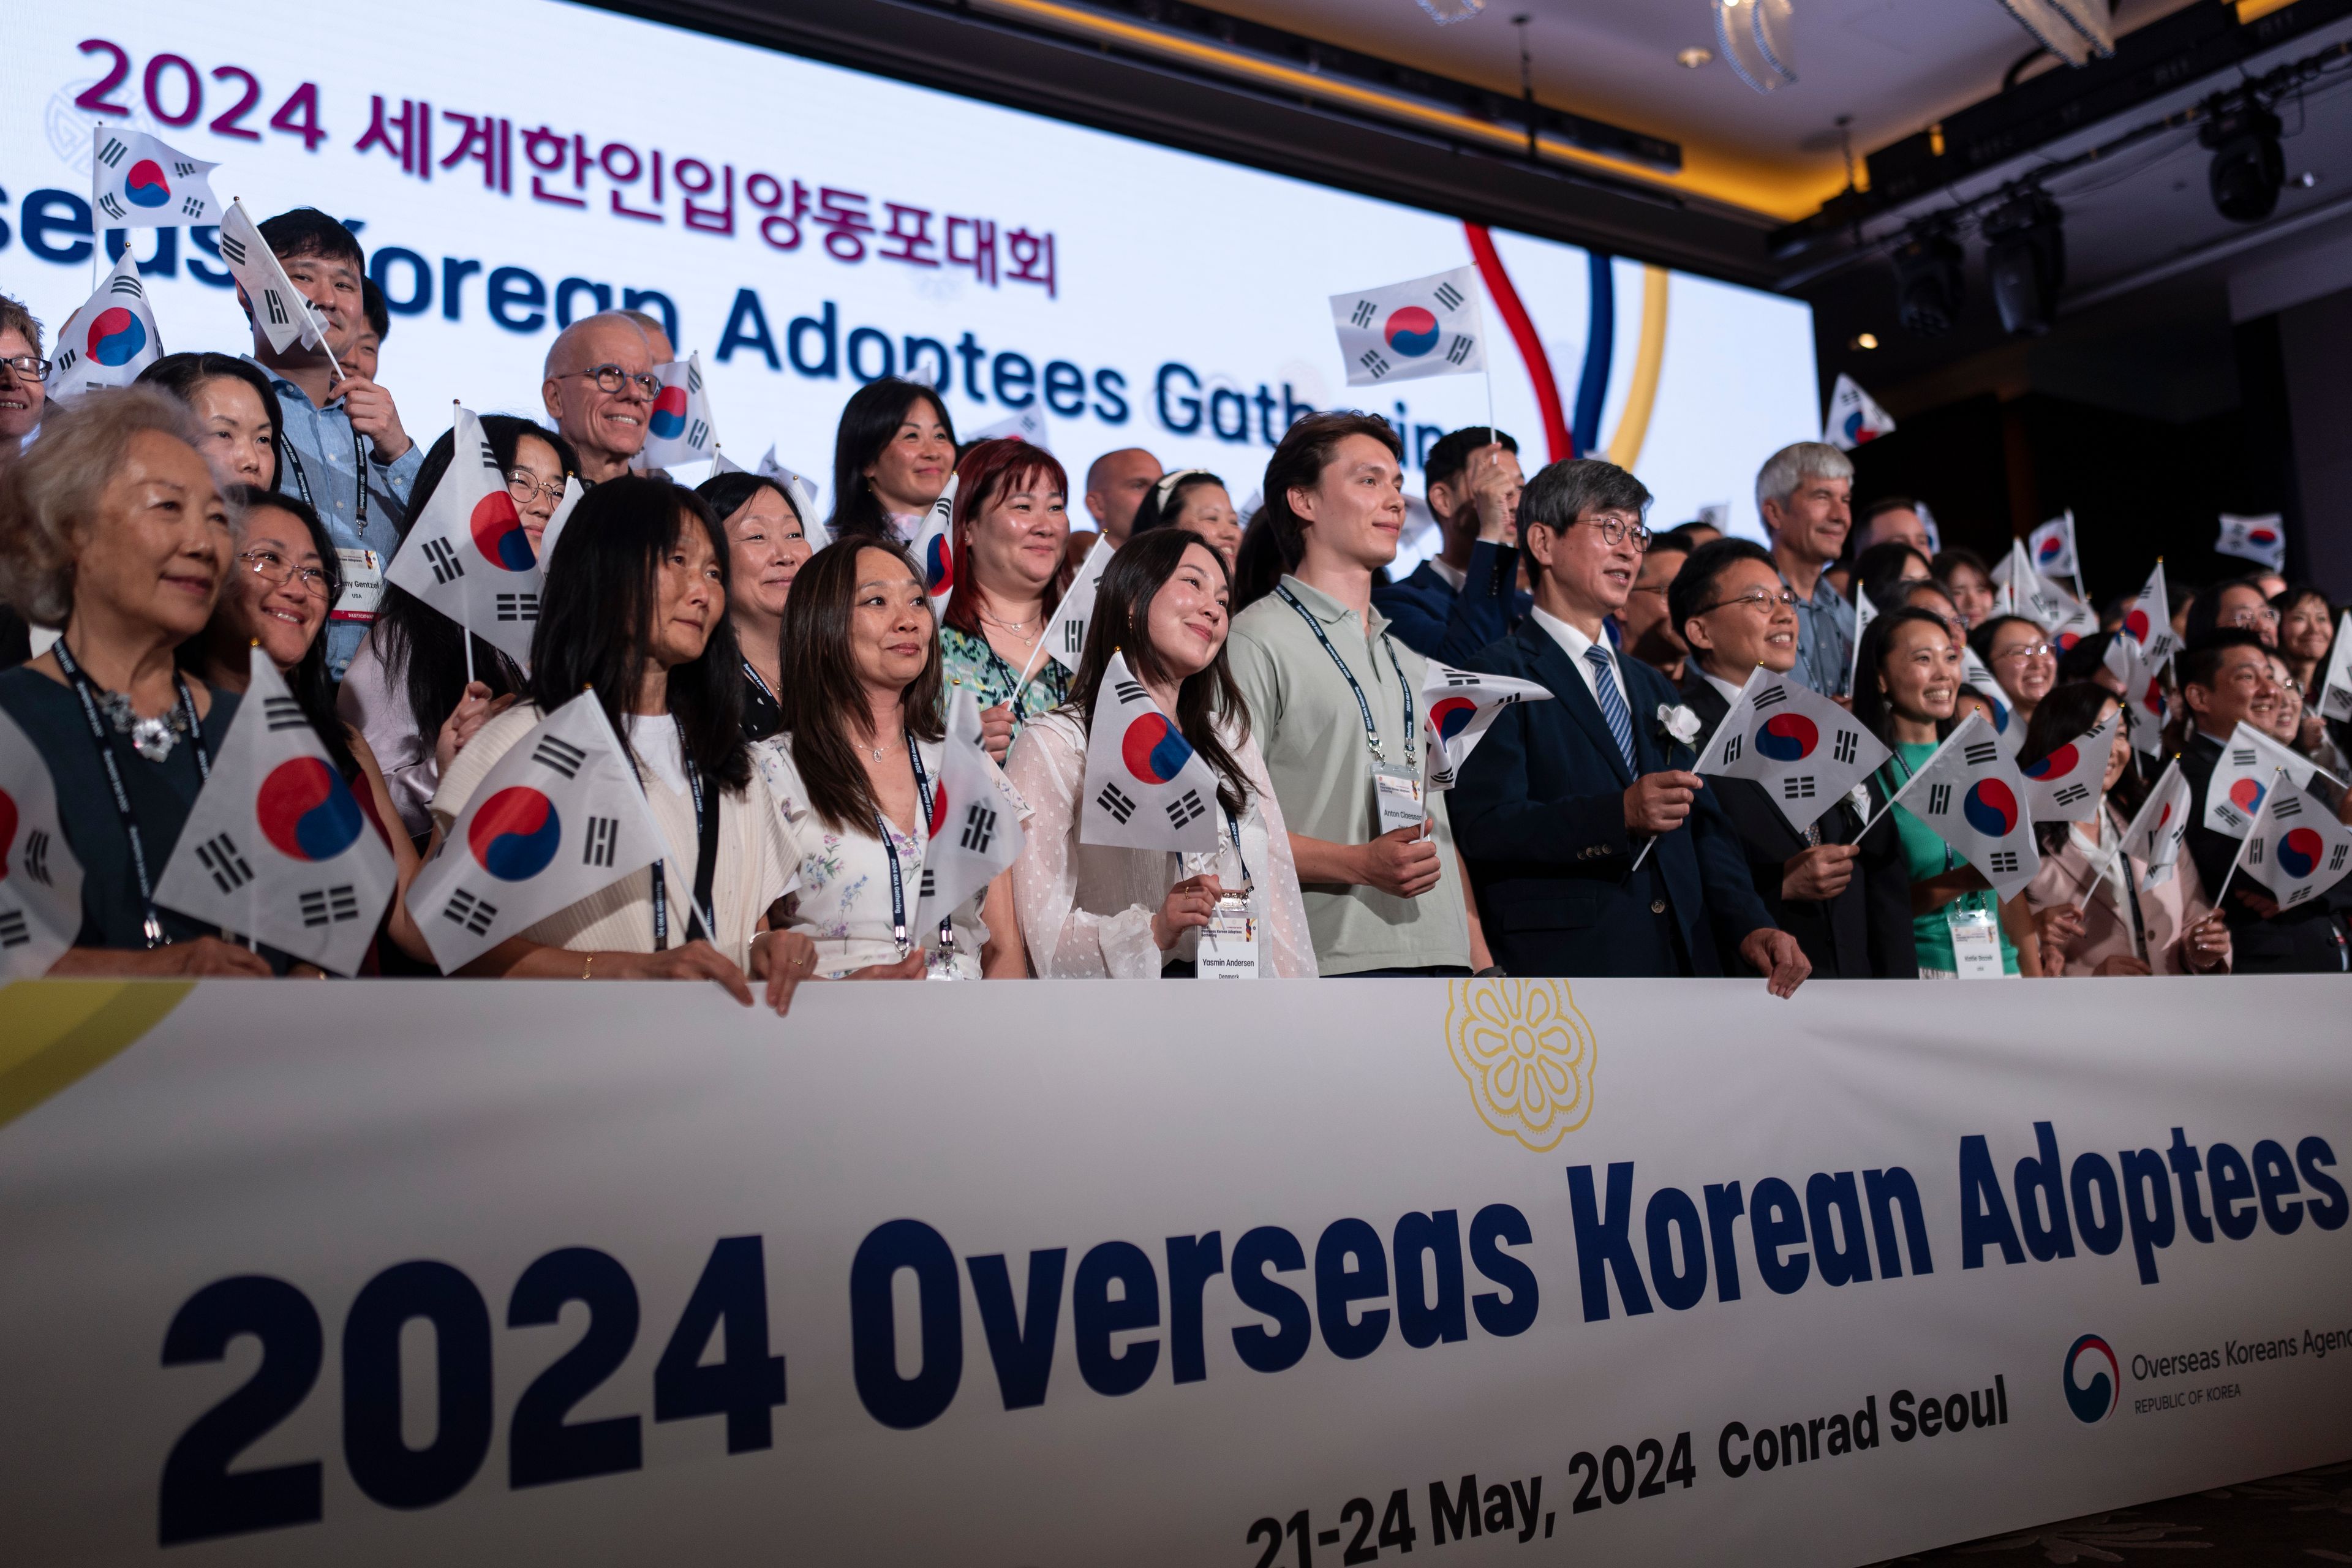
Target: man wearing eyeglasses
{"type": "Point", "coordinates": [1805, 493]}
{"type": "Point", "coordinates": [600, 391]}
{"type": "Point", "coordinates": [1594, 848]}
{"type": "Point", "coordinates": [1847, 904]}
{"type": "Point", "coordinates": [345, 450]}
{"type": "Point", "coordinates": [24, 397]}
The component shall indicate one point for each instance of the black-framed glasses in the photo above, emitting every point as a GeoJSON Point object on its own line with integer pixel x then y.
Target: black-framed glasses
{"type": "Point", "coordinates": [32, 367]}
{"type": "Point", "coordinates": [277, 570]}
{"type": "Point", "coordinates": [1615, 532]}
{"type": "Point", "coordinates": [613, 378]}
{"type": "Point", "coordinates": [522, 485]}
{"type": "Point", "coordinates": [1756, 599]}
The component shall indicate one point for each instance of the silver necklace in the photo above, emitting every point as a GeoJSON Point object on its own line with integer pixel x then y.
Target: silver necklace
{"type": "Point", "coordinates": [152, 739]}
{"type": "Point", "coordinates": [1013, 627]}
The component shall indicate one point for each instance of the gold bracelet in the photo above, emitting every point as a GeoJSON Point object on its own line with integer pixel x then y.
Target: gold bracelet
{"type": "Point", "coordinates": [588, 969]}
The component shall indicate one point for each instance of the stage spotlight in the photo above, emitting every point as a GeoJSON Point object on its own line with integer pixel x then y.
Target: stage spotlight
{"type": "Point", "coordinates": [1928, 283]}
{"type": "Point", "coordinates": [2025, 261]}
{"type": "Point", "coordinates": [2248, 165]}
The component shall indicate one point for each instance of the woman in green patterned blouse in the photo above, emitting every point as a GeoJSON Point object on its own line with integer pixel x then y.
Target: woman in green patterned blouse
{"type": "Point", "coordinates": [1012, 521]}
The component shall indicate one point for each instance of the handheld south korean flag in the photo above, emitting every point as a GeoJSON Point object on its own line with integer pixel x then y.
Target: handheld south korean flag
{"type": "Point", "coordinates": [1146, 787]}
{"type": "Point", "coordinates": [974, 823]}
{"type": "Point", "coordinates": [278, 308]}
{"type": "Point", "coordinates": [1970, 795]}
{"type": "Point", "coordinates": [1029, 426]}
{"type": "Point", "coordinates": [2241, 779]}
{"type": "Point", "coordinates": [1457, 707]}
{"type": "Point", "coordinates": [1066, 640]}
{"type": "Point", "coordinates": [2155, 835]}
{"type": "Point", "coordinates": [2029, 593]}
{"type": "Point", "coordinates": [678, 427]}
{"type": "Point", "coordinates": [467, 554]}
{"type": "Point", "coordinates": [1852, 418]}
{"type": "Point", "coordinates": [1864, 612]}
{"type": "Point", "coordinates": [803, 490]}
{"type": "Point", "coordinates": [2142, 679]}
{"type": "Point", "coordinates": [2065, 786]}
{"type": "Point", "coordinates": [137, 182]}
{"type": "Point", "coordinates": [934, 548]}
{"type": "Point", "coordinates": [2335, 692]}
{"type": "Point", "coordinates": [2297, 848]}
{"type": "Point", "coordinates": [110, 340]}
{"type": "Point", "coordinates": [40, 880]}
{"type": "Point", "coordinates": [2148, 620]}
{"type": "Point", "coordinates": [572, 495]}
{"type": "Point", "coordinates": [1806, 751]}
{"type": "Point", "coordinates": [275, 847]}
{"type": "Point", "coordinates": [2007, 727]}
{"type": "Point", "coordinates": [560, 816]}
{"type": "Point", "coordinates": [2051, 547]}
{"type": "Point", "coordinates": [1431, 326]}
{"type": "Point", "coordinates": [2260, 540]}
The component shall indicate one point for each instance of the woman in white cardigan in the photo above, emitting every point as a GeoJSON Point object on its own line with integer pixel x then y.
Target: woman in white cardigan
{"type": "Point", "coordinates": [1090, 911]}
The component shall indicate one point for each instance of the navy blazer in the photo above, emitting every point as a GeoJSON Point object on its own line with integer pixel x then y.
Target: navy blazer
{"type": "Point", "coordinates": [1539, 816]}
{"type": "Point", "coordinates": [1429, 617]}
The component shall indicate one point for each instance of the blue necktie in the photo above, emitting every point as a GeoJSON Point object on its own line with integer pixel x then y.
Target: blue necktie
{"type": "Point", "coordinates": [1612, 705]}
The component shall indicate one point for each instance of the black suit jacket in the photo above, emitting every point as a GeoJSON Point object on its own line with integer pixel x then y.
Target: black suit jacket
{"type": "Point", "coordinates": [1539, 816]}
{"type": "Point", "coordinates": [1429, 617]}
{"type": "Point", "coordinates": [2307, 940]}
{"type": "Point", "coordinates": [1865, 933]}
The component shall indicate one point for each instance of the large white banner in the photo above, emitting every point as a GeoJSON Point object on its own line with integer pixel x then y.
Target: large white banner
{"type": "Point", "coordinates": [1272, 1275]}
{"type": "Point", "coordinates": [516, 165]}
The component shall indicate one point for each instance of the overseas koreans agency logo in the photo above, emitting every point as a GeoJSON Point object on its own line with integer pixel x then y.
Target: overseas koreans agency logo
{"type": "Point", "coordinates": [2094, 1383]}
{"type": "Point", "coordinates": [1526, 1054]}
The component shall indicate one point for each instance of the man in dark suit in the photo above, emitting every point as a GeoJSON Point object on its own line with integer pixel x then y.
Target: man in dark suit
{"type": "Point", "coordinates": [1561, 799]}
{"type": "Point", "coordinates": [1848, 905]}
{"type": "Point", "coordinates": [2224, 680]}
{"type": "Point", "coordinates": [1468, 593]}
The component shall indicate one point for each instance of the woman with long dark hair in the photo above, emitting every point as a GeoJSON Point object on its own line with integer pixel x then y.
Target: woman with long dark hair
{"type": "Point", "coordinates": [280, 588]}
{"type": "Point", "coordinates": [236, 408]}
{"type": "Point", "coordinates": [766, 541]}
{"type": "Point", "coordinates": [1012, 524]}
{"type": "Point", "coordinates": [856, 775]}
{"type": "Point", "coordinates": [1906, 692]}
{"type": "Point", "coordinates": [2091, 904]}
{"type": "Point", "coordinates": [1089, 910]}
{"type": "Point", "coordinates": [635, 615]}
{"type": "Point", "coordinates": [407, 688]}
{"type": "Point", "coordinates": [891, 458]}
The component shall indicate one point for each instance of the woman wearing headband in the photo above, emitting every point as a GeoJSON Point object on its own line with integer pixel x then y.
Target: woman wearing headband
{"type": "Point", "coordinates": [1197, 501]}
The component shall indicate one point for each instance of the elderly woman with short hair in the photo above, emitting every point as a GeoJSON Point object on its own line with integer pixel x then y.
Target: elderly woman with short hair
{"type": "Point", "coordinates": [111, 524]}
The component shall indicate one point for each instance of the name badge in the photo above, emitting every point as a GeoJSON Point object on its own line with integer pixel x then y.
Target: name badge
{"type": "Point", "coordinates": [363, 585]}
{"type": "Point", "coordinates": [1398, 798]}
{"type": "Point", "coordinates": [1228, 948]}
{"type": "Point", "coordinates": [1976, 944]}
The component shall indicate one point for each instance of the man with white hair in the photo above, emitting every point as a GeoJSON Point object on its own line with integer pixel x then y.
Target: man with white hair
{"type": "Point", "coordinates": [1805, 493]}
{"type": "Point", "coordinates": [600, 391]}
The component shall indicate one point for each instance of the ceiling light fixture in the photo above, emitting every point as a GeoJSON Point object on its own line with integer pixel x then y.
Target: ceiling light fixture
{"type": "Point", "coordinates": [2025, 261]}
{"type": "Point", "coordinates": [1866, 340]}
{"type": "Point", "coordinates": [1691, 59]}
{"type": "Point", "coordinates": [1929, 283]}
{"type": "Point", "coordinates": [1461, 11]}
{"type": "Point", "coordinates": [2076, 31]}
{"type": "Point", "coordinates": [2249, 166]}
{"type": "Point", "coordinates": [1756, 36]}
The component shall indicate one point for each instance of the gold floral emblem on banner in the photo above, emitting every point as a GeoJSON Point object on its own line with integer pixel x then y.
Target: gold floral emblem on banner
{"type": "Point", "coordinates": [1526, 1054]}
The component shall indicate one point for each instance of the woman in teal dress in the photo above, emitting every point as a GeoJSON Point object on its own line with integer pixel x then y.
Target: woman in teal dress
{"type": "Point", "coordinates": [1012, 524]}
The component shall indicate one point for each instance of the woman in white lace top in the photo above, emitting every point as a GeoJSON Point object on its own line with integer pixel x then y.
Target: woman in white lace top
{"type": "Point", "coordinates": [1089, 910]}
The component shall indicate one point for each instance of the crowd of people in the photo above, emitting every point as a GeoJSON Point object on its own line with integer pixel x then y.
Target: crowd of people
{"type": "Point", "coordinates": [795, 667]}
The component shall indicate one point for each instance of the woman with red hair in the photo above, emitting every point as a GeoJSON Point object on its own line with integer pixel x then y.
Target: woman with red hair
{"type": "Point", "coordinates": [1012, 522]}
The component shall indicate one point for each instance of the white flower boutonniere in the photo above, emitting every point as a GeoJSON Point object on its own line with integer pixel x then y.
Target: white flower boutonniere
{"type": "Point", "coordinates": [1679, 723]}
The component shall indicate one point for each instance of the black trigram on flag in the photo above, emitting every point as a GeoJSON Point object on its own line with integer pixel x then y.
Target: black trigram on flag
{"type": "Point", "coordinates": [1459, 349]}
{"type": "Point", "coordinates": [603, 834]}
{"type": "Point", "coordinates": [275, 307]}
{"type": "Point", "coordinates": [979, 827]}
{"type": "Point", "coordinates": [183, 169]}
{"type": "Point", "coordinates": [562, 756]}
{"type": "Point", "coordinates": [446, 567]}
{"type": "Point", "coordinates": [2243, 756]}
{"type": "Point", "coordinates": [696, 433]}
{"type": "Point", "coordinates": [1980, 754]}
{"type": "Point", "coordinates": [930, 884]}
{"type": "Point", "coordinates": [193, 207]}
{"type": "Point", "coordinates": [2229, 814]}
{"type": "Point", "coordinates": [2287, 805]}
{"type": "Point", "coordinates": [1074, 632]}
{"type": "Point", "coordinates": [282, 714]}
{"type": "Point", "coordinates": [474, 914]}
{"type": "Point", "coordinates": [1186, 809]}
{"type": "Point", "coordinates": [1448, 297]}
{"type": "Point", "coordinates": [2072, 795]}
{"type": "Point", "coordinates": [518, 606]}
{"type": "Point", "coordinates": [1771, 697]}
{"type": "Point", "coordinates": [221, 857]}
{"type": "Point", "coordinates": [1842, 749]}
{"type": "Point", "coordinates": [1798, 788]}
{"type": "Point", "coordinates": [1460, 678]}
{"type": "Point", "coordinates": [1114, 801]}
{"type": "Point", "coordinates": [112, 206]}
{"type": "Point", "coordinates": [1731, 750]}
{"type": "Point", "coordinates": [1128, 690]}
{"type": "Point", "coordinates": [2002, 861]}
{"type": "Point", "coordinates": [128, 284]}
{"type": "Point", "coordinates": [1939, 799]}
{"type": "Point", "coordinates": [12, 930]}
{"type": "Point", "coordinates": [232, 250]}
{"type": "Point", "coordinates": [2253, 851]}
{"type": "Point", "coordinates": [112, 154]}
{"type": "Point", "coordinates": [1371, 361]}
{"type": "Point", "coordinates": [2336, 859]}
{"type": "Point", "coordinates": [2297, 896]}
{"type": "Point", "coordinates": [490, 458]}
{"type": "Point", "coordinates": [330, 906]}
{"type": "Point", "coordinates": [1363, 313]}
{"type": "Point", "coordinates": [66, 359]}
{"type": "Point", "coordinates": [36, 857]}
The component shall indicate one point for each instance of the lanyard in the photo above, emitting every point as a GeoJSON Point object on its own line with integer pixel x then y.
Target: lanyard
{"type": "Point", "coordinates": [1371, 731]}
{"type": "Point", "coordinates": [1233, 828]}
{"type": "Point", "coordinates": [661, 885]}
{"type": "Point", "coordinates": [152, 926]}
{"type": "Point", "coordinates": [762, 685]}
{"type": "Point", "coordinates": [890, 848]}
{"type": "Point", "coordinates": [358, 472]}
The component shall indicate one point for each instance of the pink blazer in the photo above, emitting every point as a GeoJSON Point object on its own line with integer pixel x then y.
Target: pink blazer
{"type": "Point", "coordinates": [2166, 911]}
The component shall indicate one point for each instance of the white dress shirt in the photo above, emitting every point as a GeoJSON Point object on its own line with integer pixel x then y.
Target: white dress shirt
{"type": "Point", "coordinates": [1453, 575]}
{"type": "Point", "coordinates": [1574, 643]}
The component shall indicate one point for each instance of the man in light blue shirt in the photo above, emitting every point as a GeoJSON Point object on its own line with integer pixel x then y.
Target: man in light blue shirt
{"type": "Point", "coordinates": [1805, 493]}
{"type": "Point", "coordinates": [345, 451]}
